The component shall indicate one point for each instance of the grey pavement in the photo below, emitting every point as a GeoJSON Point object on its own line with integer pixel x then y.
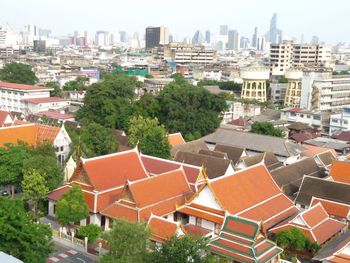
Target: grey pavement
{"type": "Point", "coordinates": [65, 254]}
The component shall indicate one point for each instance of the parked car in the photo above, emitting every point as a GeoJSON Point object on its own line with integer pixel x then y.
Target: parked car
{"type": "Point", "coordinates": [4, 193]}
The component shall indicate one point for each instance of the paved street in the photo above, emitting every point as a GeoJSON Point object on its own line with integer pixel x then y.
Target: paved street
{"type": "Point", "coordinates": [64, 255]}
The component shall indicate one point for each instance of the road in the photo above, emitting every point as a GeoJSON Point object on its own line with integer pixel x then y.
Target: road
{"type": "Point", "coordinates": [63, 254]}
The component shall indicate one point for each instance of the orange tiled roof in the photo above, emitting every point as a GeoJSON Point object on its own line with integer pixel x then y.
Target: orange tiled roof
{"type": "Point", "coordinates": [162, 229]}
{"type": "Point", "coordinates": [117, 210]}
{"type": "Point", "coordinates": [114, 170]}
{"type": "Point", "coordinates": [332, 208]}
{"type": "Point", "coordinates": [314, 223]}
{"type": "Point", "coordinates": [315, 150]}
{"type": "Point", "coordinates": [340, 171]}
{"type": "Point", "coordinates": [32, 134]}
{"type": "Point", "coordinates": [16, 86]}
{"type": "Point", "coordinates": [175, 139]}
{"type": "Point", "coordinates": [159, 188]}
{"type": "Point", "coordinates": [251, 186]}
{"type": "Point", "coordinates": [340, 258]}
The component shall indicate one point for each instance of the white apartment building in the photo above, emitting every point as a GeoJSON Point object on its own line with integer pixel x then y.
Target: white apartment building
{"type": "Point", "coordinates": [331, 94]}
{"type": "Point", "coordinates": [36, 105]}
{"type": "Point", "coordinates": [13, 96]}
{"type": "Point", "coordinates": [212, 74]}
{"type": "Point", "coordinates": [192, 54]}
{"type": "Point", "coordinates": [312, 118]}
{"type": "Point", "coordinates": [339, 121]}
{"type": "Point", "coordinates": [236, 110]}
{"type": "Point", "coordinates": [287, 54]}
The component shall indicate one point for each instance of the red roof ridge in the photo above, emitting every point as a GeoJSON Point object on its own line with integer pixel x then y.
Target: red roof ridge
{"type": "Point", "coordinates": [108, 155]}
{"type": "Point", "coordinates": [158, 175]}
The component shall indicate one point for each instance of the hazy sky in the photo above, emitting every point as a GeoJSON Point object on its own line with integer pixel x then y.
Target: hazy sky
{"type": "Point", "coordinates": [324, 18]}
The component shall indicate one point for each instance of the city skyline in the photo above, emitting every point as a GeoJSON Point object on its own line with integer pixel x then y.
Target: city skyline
{"type": "Point", "coordinates": [295, 18]}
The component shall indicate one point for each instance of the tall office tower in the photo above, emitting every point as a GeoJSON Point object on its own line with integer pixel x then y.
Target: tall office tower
{"type": "Point", "coordinates": [197, 38]}
{"type": "Point", "coordinates": [232, 42]}
{"type": "Point", "coordinates": [122, 35]}
{"type": "Point", "coordinates": [207, 37]}
{"type": "Point", "coordinates": [261, 43]}
{"type": "Point", "coordinates": [273, 29]}
{"type": "Point", "coordinates": [171, 38]}
{"type": "Point", "coordinates": [302, 40]}
{"type": "Point", "coordinates": [156, 36]}
{"type": "Point", "coordinates": [255, 37]}
{"type": "Point", "coordinates": [279, 36]}
{"type": "Point", "coordinates": [223, 30]}
{"type": "Point", "coordinates": [314, 40]}
{"type": "Point", "coordinates": [102, 38]}
{"type": "Point", "coordinates": [244, 43]}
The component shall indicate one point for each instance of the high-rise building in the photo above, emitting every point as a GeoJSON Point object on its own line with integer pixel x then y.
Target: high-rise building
{"type": "Point", "coordinates": [287, 54]}
{"type": "Point", "coordinates": [102, 38]}
{"type": "Point", "coordinates": [122, 35]}
{"type": "Point", "coordinates": [273, 29]}
{"type": "Point", "coordinates": [244, 43]}
{"type": "Point", "coordinates": [314, 40]}
{"type": "Point", "coordinates": [171, 38]}
{"type": "Point", "coordinates": [261, 44]}
{"type": "Point", "coordinates": [223, 30]}
{"type": "Point", "coordinates": [255, 37]}
{"type": "Point", "coordinates": [233, 40]}
{"type": "Point", "coordinates": [197, 38]}
{"type": "Point", "coordinates": [279, 36]}
{"type": "Point", "coordinates": [156, 36]}
{"type": "Point", "coordinates": [207, 37]}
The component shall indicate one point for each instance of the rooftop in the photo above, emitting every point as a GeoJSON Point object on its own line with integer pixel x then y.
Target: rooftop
{"type": "Point", "coordinates": [45, 100]}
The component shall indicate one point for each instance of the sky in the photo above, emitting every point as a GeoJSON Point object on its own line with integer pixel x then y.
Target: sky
{"type": "Point", "coordinates": [324, 18]}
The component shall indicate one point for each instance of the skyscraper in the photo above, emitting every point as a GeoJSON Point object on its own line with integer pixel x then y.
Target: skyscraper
{"type": "Point", "coordinates": [156, 36]}
{"type": "Point", "coordinates": [207, 37]}
{"type": "Point", "coordinates": [273, 29]}
{"type": "Point", "coordinates": [197, 38]}
{"type": "Point", "coordinates": [232, 42]}
{"type": "Point", "coordinates": [255, 37]}
{"type": "Point", "coordinates": [314, 40]}
{"type": "Point", "coordinates": [223, 30]}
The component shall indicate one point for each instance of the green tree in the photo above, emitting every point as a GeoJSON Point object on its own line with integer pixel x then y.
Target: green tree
{"type": "Point", "coordinates": [34, 187]}
{"type": "Point", "coordinates": [150, 136]}
{"type": "Point", "coordinates": [92, 232]}
{"type": "Point", "coordinates": [20, 236]}
{"type": "Point", "coordinates": [293, 238]}
{"type": "Point", "coordinates": [105, 99]}
{"type": "Point", "coordinates": [282, 79]}
{"type": "Point", "coordinates": [182, 250]}
{"type": "Point", "coordinates": [266, 128]}
{"type": "Point", "coordinates": [72, 206]}
{"type": "Point", "coordinates": [18, 73]}
{"type": "Point", "coordinates": [97, 140]}
{"type": "Point", "coordinates": [11, 164]}
{"type": "Point", "coordinates": [57, 91]}
{"type": "Point", "coordinates": [189, 109]}
{"type": "Point", "coordinates": [129, 242]}
{"type": "Point", "coordinates": [48, 167]}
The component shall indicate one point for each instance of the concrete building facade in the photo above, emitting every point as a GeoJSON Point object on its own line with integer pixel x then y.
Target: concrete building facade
{"type": "Point", "coordinates": [254, 83]}
{"type": "Point", "coordinates": [293, 93]}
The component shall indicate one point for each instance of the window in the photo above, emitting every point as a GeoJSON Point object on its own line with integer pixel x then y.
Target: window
{"type": "Point", "coordinates": [61, 149]}
{"type": "Point", "coordinates": [345, 122]}
{"type": "Point", "coordinates": [301, 115]}
{"type": "Point", "coordinates": [217, 228]}
{"type": "Point", "coordinates": [308, 116]}
{"type": "Point", "coordinates": [198, 221]}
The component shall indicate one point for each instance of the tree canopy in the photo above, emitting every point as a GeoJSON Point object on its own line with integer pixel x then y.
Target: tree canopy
{"type": "Point", "coordinates": [97, 140]}
{"type": "Point", "coordinates": [266, 128]}
{"type": "Point", "coordinates": [72, 206]}
{"type": "Point", "coordinates": [78, 84]}
{"type": "Point", "coordinates": [18, 73]}
{"type": "Point", "coordinates": [225, 85]}
{"type": "Point", "coordinates": [20, 236]}
{"type": "Point", "coordinates": [34, 187]}
{"type": "Point", "coordinates": [150, 136]}
{"type": "Point", "coordinates": [182, 250]}
{"type": "Point", "coordinates": [191, 110]}
{"type": "Point", "coordinates": [91, 231]}
{"type": "Point", "coordinates": [128, 241]}
{"type": "Point", "coordinates": [105, 99]}
{"type": "Point", "coordinates": [57, 91]}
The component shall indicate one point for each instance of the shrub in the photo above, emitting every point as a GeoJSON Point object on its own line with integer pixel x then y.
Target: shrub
{"type": "Point", "coordinates": [92, 232]}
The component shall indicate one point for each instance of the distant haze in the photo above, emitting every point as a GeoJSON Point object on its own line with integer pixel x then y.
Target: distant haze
{"type": "Point", "coordinates": [324, 18]}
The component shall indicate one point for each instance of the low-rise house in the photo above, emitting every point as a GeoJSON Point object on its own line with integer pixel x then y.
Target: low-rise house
{"type": "Point", "coordinates": [268, 158]}
{"type": "Point", "coordinates": [241, 240]}
{"type": "Point", "coordinates": [301, 132]}
{"type": "Point", "coordinates": [57, 115]}
{"type": "Point", "coordinates": [324, 157]}
{"type": "Point", "coordinates": [340, 211]}
{"type": "Point", "coordinates": [341, 147]}
{"type": "Point", "coordinates": [336, 251]}
{"type": "Point", "coordinates": [214, 166]}
{"type": "Point", "coordinates": [285, 151]}
{"type": "Point", "coordinates": [35, 134]}
{"type": "Point", "coordinates": [129, 185]}
{"type": "Point", "coordinates": [163, 229]}
{"type": "Point", "coordinates": [193, 147]}
{"type": "Point", "coordinates": [340, 172]}
{"type": "Point", "coordinates": [315, 223]}
{"type": "Point", "coordinates": [36, 105]}
{"type": "Point", "coordinates": [158, 194]}
{"type": "Point", "coordinates": [233, 153]}
{"type": "Point", "coordinates": [313, 187]}
{"type": "Point", "coordinates": [250, 193]}
{"type": "Point", "coordinates": [176, 139]}
{"type": "Point", "coordinates": [289, 177]}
